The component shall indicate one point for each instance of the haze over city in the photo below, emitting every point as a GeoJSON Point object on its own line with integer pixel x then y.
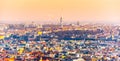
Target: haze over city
{"type": "Point", "coordinates": [59, 30]}
{"type": "Point", "coordinates": [49, 11]}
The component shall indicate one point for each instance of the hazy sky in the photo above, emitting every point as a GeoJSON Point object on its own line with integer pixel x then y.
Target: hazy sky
{"type": "Point", "coordinates": [41, 11]}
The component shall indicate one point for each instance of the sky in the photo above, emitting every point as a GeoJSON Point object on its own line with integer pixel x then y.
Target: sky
{"type": "Point", "coordinates": [49, 11]}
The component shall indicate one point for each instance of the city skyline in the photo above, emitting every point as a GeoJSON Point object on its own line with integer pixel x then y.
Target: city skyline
{"type": "Point", "coordinates": [50, 11]}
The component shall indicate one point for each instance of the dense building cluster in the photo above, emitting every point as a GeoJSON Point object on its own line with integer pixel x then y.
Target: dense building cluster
{"type": "Point", "coordinates": [51, 42]}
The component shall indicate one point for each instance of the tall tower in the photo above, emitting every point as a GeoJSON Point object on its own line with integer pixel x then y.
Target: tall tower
{"type": "Point", "coordinates": [61, 18]}
{"type": "Point", "coordinates": [61, 21]}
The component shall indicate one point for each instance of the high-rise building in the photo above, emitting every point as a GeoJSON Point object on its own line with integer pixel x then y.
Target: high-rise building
{"type": "Point", "coordinates": [33, 24]}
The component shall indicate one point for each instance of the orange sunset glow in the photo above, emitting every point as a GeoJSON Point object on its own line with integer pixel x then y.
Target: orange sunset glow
{"type": "Point", "coordinates": [45, 11]}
